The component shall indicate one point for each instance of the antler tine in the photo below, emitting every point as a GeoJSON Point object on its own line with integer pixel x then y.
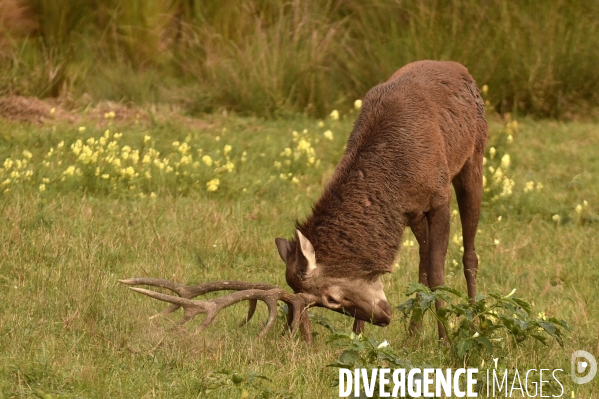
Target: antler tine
{"type": "Point", "coordinates": [192, 291]}
{"type": "Point", "coordinates": [252, 303]}
{"type": "Point", "coordinates": [211, 307]}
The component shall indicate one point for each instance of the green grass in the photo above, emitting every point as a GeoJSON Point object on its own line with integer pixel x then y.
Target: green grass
{"type": "Point", "coordinates": [68, 329]}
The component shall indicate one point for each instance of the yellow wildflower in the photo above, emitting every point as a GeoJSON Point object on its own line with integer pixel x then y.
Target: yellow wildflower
{"type": "Point", "coordinates": [492, 152]}
{"type": "Point", "coordinates": [105, 176]}
{"type": "Point", "coordinates": [530, 186]}
{"type": "Point", "coordinates": [320, 124]}
{"type": "Point", "coordinates": [128, 172]}
{"type": "Point", "coordinates": [159, 165]}
{"type": "Point", "coordinates": [147, 138]}
{"type": "Point", "coordinates": [42, 187]}
{"type": "Point", "coordinates": [183, 148]}
{"type": "Point", "coordinates": [328, 135]}
{"type": "Point", "coordinates": [485, 89]}
{"type": "Point", "coordinates": [227, 149]}
{"type": "Point", "coordinates": [70, 171]}
{"type": "Point", "coordinates": [112, 146]}
{"type": "Point", "coordinates": [207, 160]}
{"type": "Point", "coordinates": [76, 147]}
{"type": "Point", "coordinates": [507, 188]}
{"type": "Point", "coordinates": [497, 176]}
{"type": "Point", "coordinates": [27, 154]}
{"type": "Point", "coordinates": [335, 115]}
{"type": "Point", "coordinates": [212, 185]}
{"type": "Point", "coordinates": [456, 239]}
{"type": "Point", "coordinates": [505, 161]}
{"type": "Point", "coordinates": [81, 129]}
{"type": "Point", "coordinates": [358, 104]}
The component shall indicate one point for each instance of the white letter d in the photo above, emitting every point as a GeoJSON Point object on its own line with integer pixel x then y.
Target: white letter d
{"type": "Point", "coordinates": [344, 391]}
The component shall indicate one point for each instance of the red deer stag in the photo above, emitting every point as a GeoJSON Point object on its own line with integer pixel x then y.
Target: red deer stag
{"type": "Point", "coordinates": [417, 133]}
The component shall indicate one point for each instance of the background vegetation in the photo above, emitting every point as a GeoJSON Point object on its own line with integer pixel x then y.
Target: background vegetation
{"type": "Point", "coordinates": [272, 57]}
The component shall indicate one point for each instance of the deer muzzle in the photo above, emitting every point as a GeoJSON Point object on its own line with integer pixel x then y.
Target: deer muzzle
{"type": "Point", "coordinates": [382, 314]}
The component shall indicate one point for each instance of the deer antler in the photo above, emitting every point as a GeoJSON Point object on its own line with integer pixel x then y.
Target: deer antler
{"type": "Point", "coordinates": [252, 292]}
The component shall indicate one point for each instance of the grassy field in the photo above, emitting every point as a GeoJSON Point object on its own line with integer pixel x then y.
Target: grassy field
{"type": "Point", "coordinates": [203, 201]}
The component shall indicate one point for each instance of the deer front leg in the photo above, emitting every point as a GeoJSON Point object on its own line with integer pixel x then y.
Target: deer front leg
{"type": "Point", "coordinates": [438, 234]}
{"type": "Point", "coordinates": [419, 227]}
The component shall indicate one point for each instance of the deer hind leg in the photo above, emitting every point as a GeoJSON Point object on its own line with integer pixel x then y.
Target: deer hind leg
{"type": "Point", "coordinates": [419, 227]}
{"type": "Point", "coordinates": [438, 235]}
{"type": "Point", "coordinates": [468, 188]}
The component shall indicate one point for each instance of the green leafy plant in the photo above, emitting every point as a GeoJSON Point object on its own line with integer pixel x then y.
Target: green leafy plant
{"type": "Point", "coordinates": [361, 351]}
{"type": "Point", "coordinates": [472, 327]}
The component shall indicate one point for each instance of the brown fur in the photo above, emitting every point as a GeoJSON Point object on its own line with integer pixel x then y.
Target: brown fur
{"type": "Point", "coordinates": [419, 131]}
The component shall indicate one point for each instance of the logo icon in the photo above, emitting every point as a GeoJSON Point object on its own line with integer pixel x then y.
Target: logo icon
{"type": "Point", "coordinates": [583, 361]}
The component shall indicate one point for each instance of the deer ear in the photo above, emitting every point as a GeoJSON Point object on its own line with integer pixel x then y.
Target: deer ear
{"type": "Point", "coordinates": [284, 248]}
{"type": "Point", "coordinates": [308, 252]}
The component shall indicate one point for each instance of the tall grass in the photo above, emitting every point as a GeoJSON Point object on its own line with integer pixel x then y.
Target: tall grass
{"type": "Point", "coordinates": [268, 57]}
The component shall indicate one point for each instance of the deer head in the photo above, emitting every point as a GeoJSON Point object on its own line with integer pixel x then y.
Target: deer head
{"type": "Point", "coordinates": [359, 296]}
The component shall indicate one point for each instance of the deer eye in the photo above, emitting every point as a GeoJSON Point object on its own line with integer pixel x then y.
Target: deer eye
{"type": "Point", "coordinates": [332, 301]}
